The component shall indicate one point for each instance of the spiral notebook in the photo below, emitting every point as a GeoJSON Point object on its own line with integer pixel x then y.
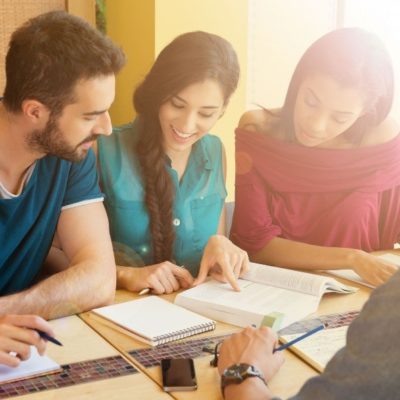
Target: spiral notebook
{"type": "Point", "coordinates": [153, 320]}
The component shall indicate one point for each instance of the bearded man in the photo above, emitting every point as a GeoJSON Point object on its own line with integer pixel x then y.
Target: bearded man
{"type": "Point", "coordinates": [60, 83]}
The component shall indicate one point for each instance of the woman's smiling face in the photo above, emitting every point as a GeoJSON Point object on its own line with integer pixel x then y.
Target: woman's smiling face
{"type": "Point", "coordinates": [190, 114]}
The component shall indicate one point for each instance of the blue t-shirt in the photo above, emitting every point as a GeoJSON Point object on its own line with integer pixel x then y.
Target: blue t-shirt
{"type": "Point", "coordinates": [199, 197]}
{"type": "Point", "coordinates": [28, 222]}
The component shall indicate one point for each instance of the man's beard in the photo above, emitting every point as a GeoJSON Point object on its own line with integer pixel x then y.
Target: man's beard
{"type": "Point", "coordinates": [51, 141]}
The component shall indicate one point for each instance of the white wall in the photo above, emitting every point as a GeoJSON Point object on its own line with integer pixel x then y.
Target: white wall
{"type": "Point", "coordinates": [383, 18]}
{"type": "Point", "coordinates": [279, 33]}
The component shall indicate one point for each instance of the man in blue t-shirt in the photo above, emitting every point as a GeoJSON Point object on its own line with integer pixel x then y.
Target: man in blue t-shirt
{"type": "Point", "coordinates": [60, 83]}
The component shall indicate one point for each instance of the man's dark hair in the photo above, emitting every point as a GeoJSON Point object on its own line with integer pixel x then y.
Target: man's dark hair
{"type": "Point", "coordinates": [49, 54]}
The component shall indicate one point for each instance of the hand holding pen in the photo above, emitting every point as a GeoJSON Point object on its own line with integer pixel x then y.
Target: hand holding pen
{"type": "Point", "coordinates": [252, 346]}
{"type": "Point", "coordinates": [302, 337]}
{"type": "Point", "coordinates": [18, 333]}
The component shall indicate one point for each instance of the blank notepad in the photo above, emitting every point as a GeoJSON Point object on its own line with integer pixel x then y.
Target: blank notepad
{"type": "Point", "coordinates": [36, 365]}
{"type": "Point", "coordinates": [154, 320]}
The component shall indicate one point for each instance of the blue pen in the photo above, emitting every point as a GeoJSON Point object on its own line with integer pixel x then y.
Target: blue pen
{"type": "Point", "coordinates": [51, 339]}
{"type": "Point", "coordinates": [292, 342]}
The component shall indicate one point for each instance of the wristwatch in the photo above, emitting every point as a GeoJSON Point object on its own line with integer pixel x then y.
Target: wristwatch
{"type": "Point", "coordinates": [237, 373]}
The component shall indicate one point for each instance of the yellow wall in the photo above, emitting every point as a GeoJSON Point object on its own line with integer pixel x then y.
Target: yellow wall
{"type": "Point", "coordinates": [83, 8]}
{"type": "Point", "coordinates": [144, 27]}
{"type": "Point", "coordinates": [130, 23]}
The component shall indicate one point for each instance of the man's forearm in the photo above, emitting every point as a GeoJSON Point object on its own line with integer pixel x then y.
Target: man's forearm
{"type": "Point", "coordinates": [79, 288]}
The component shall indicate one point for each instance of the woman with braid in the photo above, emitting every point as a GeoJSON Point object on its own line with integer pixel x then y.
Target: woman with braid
{"type": "Point", "coordinates": [164, 174]}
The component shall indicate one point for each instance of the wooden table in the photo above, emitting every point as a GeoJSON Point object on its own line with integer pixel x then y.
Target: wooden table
{"type": "Point", "coordinates": [207, 377]}
{"type": "Point", "coordinates": [287, 382]}
{"type": "Point", "coordinates": [81, 343]}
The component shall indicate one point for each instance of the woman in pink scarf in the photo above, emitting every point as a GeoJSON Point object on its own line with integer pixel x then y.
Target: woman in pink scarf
{"type": "Point", "coordinates": [318, 181]}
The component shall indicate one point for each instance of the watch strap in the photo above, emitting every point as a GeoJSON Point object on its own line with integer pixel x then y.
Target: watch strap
{"type": "Point", "coordinates": [237, 373]}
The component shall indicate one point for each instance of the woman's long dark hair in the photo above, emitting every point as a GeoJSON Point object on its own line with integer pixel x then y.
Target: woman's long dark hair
{"type": "Point", "coordinates": [190, 58]}
{"type": "Point", "coordinates": [355, 58]}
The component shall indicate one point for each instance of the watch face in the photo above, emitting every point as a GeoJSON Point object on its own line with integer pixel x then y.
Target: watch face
{"type": "Point", "coordinates": [242, 368]}
{"type": "Point", "coordinates": [237, 371]}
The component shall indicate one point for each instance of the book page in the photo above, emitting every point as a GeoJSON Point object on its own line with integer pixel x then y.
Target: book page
{"type": "Point", "coordinates": [35, 365]}
{"type": "Point", "coordinates": [253, 299]}
{"type": "Point", "coordinates": [294, 280]}
{"type": "Point", "coordinates": [320, 347]}
{"type": "Point", "coordinates": [391, 258]}
{"type": "Point", "coordinates": [350, 275]}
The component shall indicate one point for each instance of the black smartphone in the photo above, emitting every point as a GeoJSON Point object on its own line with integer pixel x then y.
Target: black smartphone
{"type": "Point", "coordinates": [178, 374]}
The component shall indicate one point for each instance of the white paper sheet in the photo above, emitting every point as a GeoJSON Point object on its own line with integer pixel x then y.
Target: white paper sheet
{"type": "Point", "coordinates": [35, 365]}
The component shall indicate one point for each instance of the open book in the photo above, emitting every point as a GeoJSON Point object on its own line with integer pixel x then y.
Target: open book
{"type": "Point", "coordinates": [350, 275]}
{"type": "Point", "coordinates": [269, 296]}
{"type": "Point", "coordinates": [152, 320]}
{"type": "Point", "coordinates": [36, 365]}
{"type": "Point", "coordinates": [319, 348]}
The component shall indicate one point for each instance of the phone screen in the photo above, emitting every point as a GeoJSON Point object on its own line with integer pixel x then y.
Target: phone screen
{"type": "Point", "coordinates": [178, 374]}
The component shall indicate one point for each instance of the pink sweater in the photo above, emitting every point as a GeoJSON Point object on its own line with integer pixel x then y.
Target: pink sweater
{"type": "Point", "coordinates": [328, 197]}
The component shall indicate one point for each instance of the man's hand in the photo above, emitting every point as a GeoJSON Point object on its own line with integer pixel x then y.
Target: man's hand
{"type": "Point", "coordinates": [223, 261]}
{"type": "Point", "coordinates": [17, 334]}
{"type": "Point", "coordinates": [252, 346]}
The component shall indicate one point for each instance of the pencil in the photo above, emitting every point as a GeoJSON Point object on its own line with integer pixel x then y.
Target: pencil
{"type": "Point", "coordinates": [307, 334]}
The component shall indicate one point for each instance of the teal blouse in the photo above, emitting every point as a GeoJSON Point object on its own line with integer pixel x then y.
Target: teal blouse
{"type": "Point", "coordinates": [199, 198]}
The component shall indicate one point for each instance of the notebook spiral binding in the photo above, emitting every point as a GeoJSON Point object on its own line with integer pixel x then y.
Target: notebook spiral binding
{"type": "Point", "coordinates": [177, 335]}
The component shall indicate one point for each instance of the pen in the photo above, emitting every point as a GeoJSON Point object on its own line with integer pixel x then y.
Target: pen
{"type": "Point", "coordinates": [309, 333]}
{"type": "Point", "coordinates": [51, 339]}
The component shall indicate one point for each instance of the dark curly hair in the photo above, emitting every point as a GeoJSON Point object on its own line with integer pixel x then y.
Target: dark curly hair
{"type": "Point", "coordinates": [49, 54]}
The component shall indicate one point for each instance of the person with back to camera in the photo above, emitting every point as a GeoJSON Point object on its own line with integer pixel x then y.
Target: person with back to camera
{"type": "Point", "coordinates": [365, 369]}
{"type": "Point", "coordinates": [164, 174]}
{"type": "Point", "coordinates": [318, 181]}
